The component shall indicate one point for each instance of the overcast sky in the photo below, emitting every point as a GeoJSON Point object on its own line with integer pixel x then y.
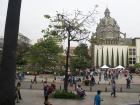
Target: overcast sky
{"type": "Point", "coordinates": [125, 12]}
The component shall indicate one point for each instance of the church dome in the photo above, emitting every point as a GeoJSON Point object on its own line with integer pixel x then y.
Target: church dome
{"type": "Point", "coordinates": [107, 27]}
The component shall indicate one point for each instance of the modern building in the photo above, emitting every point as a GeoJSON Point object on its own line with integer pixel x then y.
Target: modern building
{"type": "Point", "coordinates": [111, 47]}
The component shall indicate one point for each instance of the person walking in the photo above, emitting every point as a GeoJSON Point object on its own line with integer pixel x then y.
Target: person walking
{"type": "Point", "coordinates": [46, 93]}
{"type": "Point", "coordinates": [97, 98]}
{"type": "Point", "coordinates": [128, 81]}
{"type": "Point", "coordinates": [18, 90]}
{"type": "Point", "coordinates": [16, 95]}
{"type": "Point", "coordinates": [113, 87]}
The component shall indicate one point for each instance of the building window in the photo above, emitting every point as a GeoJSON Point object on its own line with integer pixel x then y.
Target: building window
{"type": "Point", "coordinates": [132, 51]}
{"type": "Point", "coordinates": [132, 61]}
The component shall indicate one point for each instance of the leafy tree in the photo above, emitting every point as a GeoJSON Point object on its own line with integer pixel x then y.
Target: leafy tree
{"type": "Point", "coordinates": [112, 60]}
{"type": "Point", "coordinates": [82, 50]}
{"type": "Point", "coordinates": [81, 59]}
{"type": "Point", "coordinates": [79, 63]}
{"type": "Point", "coordinates": [44, 53]}
{"type": "Point", "coordinates": [137, 65]}
{"type": "Point", "coordinates": [70, 28]}
{"type": "Point", "coordinates": [122, 59]}
{"type": "Point", "coordinates": [117, 57]}
{"type": "Point", "coordinates": [22, 48]}
{"type": "Point", "coordinates": [107, 58]}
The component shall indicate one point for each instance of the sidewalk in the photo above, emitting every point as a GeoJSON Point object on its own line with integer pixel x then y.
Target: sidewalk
{"type": "Point", "coordinates": [35, 97]}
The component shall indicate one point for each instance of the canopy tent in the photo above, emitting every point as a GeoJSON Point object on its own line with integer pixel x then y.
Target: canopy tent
{"type": "Point", "coordinates": [119, 67]}
{"type": "Point", "coordinates": [104, 67]}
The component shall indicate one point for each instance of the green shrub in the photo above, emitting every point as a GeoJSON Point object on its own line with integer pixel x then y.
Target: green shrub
{"type": "Point", "coordinates": [63, 94]}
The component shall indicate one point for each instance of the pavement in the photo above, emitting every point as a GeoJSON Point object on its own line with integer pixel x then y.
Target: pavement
{"type": "Point", "coordinates": [59, 79]}
{"type": "Point", "coordinates": [125, 96]}
{"type": "Point", "coordinates": [35, 97]}
{"type": "Point", "coordinates": [103, 85]}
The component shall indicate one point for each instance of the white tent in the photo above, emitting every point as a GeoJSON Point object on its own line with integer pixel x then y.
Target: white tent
{"type": "Point", "coordinates": [104, 67]}
{"type": "Point", "coordinates": [119, 67]}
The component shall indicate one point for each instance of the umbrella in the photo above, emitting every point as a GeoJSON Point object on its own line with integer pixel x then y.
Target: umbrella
{"type": "Point", "coordinates": [119, 67]}
{"type": "Point", "coordinates": [104, 67]}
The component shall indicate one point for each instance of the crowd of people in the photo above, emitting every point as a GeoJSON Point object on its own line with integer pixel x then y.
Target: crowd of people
{"type": "Point", "coordinates": [110, 75]}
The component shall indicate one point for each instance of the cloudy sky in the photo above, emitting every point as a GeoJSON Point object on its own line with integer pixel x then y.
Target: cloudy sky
{"type": "Point", "coordinates": [125, 12]}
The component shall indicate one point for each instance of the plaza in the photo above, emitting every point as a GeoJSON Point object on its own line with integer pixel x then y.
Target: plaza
{"type": "Point", "coordinates": [80, 66]}
{"type": "Point", "coordinates": [34, 96]}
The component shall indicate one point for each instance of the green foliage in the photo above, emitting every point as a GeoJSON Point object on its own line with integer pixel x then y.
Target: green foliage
{"type": "Point", "coordinates": [81, 50]}
{"type": "Point", "coordinates": [80, 63]}
{"type": "Point", "coordinates": [64, 95]}
{"type": "Point", "coordinates": [137, 65]}
{"type": "Point", "coordinates": [81, 60]}
{"type": "Point", "coordinates": [20, 54]}
{"type": "Point", "coordinates": [44, 53]}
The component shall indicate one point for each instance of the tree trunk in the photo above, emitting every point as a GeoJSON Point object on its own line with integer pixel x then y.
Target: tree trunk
{"type": "Point", "coordinates": [8, 64]}
{"type": "Point", "coordinates": [67, 65]}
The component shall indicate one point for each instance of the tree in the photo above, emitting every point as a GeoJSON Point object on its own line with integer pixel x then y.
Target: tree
{"type": "Point", "coordinates": [122, 59]}
{"type": "Point", "coordinates": [82, 50]}
{"type": "Point", "coordinates": [117, 58]}
{"type": "Point", "coordinates": [44, 53]}
{"type": "Point", "coordinates": [112, 60]}
{"type": "Point", "coordinates": [107, 58]}
{"type": "Point", "coordinates": [22, 48]}
{"type": "Point", "coordinates": [137, 65]}
{"type": "Point", "coordinates": [81, 59]}
{"type": "Point", "coordinates": [102, 61]}
{"type": "Point", "coordinates": [8, 64]}
{"type": "Point", "coordinates": [70, 28]}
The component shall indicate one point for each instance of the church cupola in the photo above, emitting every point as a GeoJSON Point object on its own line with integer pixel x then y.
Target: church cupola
{"type": "Point", "coordinates": [107, 13]}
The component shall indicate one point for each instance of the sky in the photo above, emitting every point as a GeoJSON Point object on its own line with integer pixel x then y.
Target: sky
{"type": "Point", "coordinates": [32, 21]}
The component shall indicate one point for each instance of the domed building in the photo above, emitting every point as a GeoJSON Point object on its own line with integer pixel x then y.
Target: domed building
{"type": "Point", "coordinates": [110, 46]}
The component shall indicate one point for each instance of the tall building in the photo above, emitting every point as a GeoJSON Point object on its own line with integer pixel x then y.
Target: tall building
{"type": "Point", "coordinates": [111, 47]}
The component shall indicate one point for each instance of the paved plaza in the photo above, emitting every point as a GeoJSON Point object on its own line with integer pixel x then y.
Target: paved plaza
{"type": "Point", "coordinates": [35, 97]}
{"type": "Point", "coordinates": [103, 85]}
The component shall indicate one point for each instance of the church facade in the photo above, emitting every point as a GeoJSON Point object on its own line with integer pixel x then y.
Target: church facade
{"type": "Point", "coordinates": [111, 47]}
